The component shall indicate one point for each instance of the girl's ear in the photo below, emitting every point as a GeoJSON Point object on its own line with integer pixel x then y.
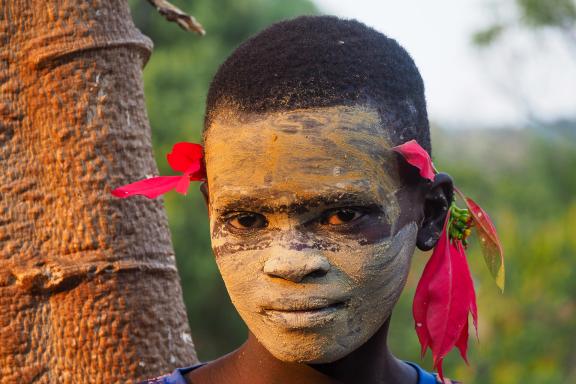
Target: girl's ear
{"type": "Point", "coordinates": [437, 201]}
{"type": "Point", "coordinates": [204, 190]}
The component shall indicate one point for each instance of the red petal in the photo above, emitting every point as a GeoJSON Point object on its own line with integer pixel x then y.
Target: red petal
{"type": "Point", "coordinates": [184, 155]}
{"type": "Point", "coordinates": [417, 156]}
{"type": "Point", "coordinates": [462, 343]}
{"type": "Point", "coordinates": [438, 368]}
{"type": "Point", "coordinates": [151, 188]}
{"type": "Point", "coordinates": [444, 297]}
{"type": "Point", "coordinates": [183, 184]}
{"type": "Point", "coordinates": [474, 311]}
{"type": "Point", "coordinates": [421, 299]}
{"type": "Point", "coordinates": [194, 172]}
{"type": "Point", "coordinates": [489, 242]}
{"type": "Point", "coordinates": [199, 175]}
{"type": "Point", "coordinates": [470, 288]}
{"type": "Point", "coordinates": [449, 303]}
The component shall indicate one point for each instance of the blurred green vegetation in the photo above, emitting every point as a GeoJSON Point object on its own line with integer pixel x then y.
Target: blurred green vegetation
{"type": "Point", "coordinates": [524, 179]}
{"type": "Point", "coordinates": [535, 15]}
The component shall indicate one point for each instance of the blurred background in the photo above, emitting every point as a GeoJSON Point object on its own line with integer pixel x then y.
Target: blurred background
{"type": "Point", "coordinates": [500, 80]}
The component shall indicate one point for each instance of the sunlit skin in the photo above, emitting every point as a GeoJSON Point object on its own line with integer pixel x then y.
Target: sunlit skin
{"type": "Point", "coordinates": [313, 231]}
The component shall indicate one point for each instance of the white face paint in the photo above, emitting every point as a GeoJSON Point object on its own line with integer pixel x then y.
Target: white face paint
{"type": "Point", "coordinates": [304, 209]}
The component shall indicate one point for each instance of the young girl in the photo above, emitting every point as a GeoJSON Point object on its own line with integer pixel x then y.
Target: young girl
{"type": "Point", "coordinates": [314, 215]}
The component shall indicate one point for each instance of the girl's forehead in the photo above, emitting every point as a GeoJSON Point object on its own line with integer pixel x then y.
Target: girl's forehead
{"type": "Point", "coordinates": [309, 120]}
{"type": "Point", "coordinates": [328, 149]}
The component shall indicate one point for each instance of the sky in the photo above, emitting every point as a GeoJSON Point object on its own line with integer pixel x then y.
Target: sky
{"type": "Point", "coordinates": [467, 87]}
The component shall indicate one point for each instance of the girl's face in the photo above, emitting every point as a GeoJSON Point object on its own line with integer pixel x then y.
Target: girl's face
{"type": "Point", "coordinates": [312, 230]}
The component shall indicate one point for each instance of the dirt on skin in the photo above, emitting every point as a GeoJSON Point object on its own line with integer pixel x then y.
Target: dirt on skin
{"type": "Point", "coordinates": [291, 168]}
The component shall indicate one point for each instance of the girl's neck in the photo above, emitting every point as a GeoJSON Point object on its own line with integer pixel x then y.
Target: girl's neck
{"type": "Point", "coordinates": [253, 364]}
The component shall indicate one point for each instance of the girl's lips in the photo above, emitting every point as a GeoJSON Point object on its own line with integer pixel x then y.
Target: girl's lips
{"type": "Point", "coordinates": [286, 304]}
{"type": "Point", "coordinates": [306, 315]}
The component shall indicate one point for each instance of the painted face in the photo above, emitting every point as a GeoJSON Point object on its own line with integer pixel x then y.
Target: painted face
{"type": "Point", "coordinates": [306, 226]}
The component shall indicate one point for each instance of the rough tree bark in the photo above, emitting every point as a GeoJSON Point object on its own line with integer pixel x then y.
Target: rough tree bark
{"type": "Point", "coordinates": [89, 291]}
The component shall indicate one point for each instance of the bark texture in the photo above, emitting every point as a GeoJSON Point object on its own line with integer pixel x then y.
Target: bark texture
{"type": "Point", "coordinates": [89, 291]}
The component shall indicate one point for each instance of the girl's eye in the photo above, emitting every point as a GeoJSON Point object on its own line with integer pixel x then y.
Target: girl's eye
{"type": "Point", "coordinates": [342, 216]}
{"type": "Point", "coordinates": [248, 220]}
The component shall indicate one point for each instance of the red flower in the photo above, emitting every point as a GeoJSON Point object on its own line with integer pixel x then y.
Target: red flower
{"type": "Point", "coordinates": [444, 297]}
{"type": "Point", "coordinates": [415, 155]}
{"type": "Point", "coordinates": [445, 293]}
{"type": "Point", "coordinates": [186, 158]}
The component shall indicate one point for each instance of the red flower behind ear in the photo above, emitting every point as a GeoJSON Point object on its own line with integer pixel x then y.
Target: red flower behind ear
{"type": "Point", "coordinates": [186, 158]}
{"type": "Point", "coordinates": [184, 155]}
{"type": "Point", "coordinates": [445, 293]}
{"type": "Point", "coordinates": [417, 156]}
{"type": "Point", "coordinates": [444, 297]}
{"type": "Point", "coordinates": [421, 299]}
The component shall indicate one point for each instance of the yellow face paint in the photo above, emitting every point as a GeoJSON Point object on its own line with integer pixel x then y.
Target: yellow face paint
{"type": "Point", "coordinates": [304, 215]}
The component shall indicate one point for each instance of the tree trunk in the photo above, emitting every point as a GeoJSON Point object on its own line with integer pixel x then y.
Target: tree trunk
{"type": "Point", "coordinates": [89, 291]}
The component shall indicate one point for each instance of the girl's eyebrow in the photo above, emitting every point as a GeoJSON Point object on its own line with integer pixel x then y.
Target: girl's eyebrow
{"type": "Point", "coordinates": [327, 200]}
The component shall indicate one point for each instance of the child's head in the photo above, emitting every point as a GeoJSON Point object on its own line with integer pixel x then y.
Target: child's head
{"type": "Point", "coordinates": [313, 219]}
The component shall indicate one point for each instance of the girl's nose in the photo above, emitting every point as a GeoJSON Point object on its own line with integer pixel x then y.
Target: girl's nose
{"type": "Point", "coordinates": [296, 266]}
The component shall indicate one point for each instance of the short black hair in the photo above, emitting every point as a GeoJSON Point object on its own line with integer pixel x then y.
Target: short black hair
{"type": "Point", "coordinates": [323, 61]}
